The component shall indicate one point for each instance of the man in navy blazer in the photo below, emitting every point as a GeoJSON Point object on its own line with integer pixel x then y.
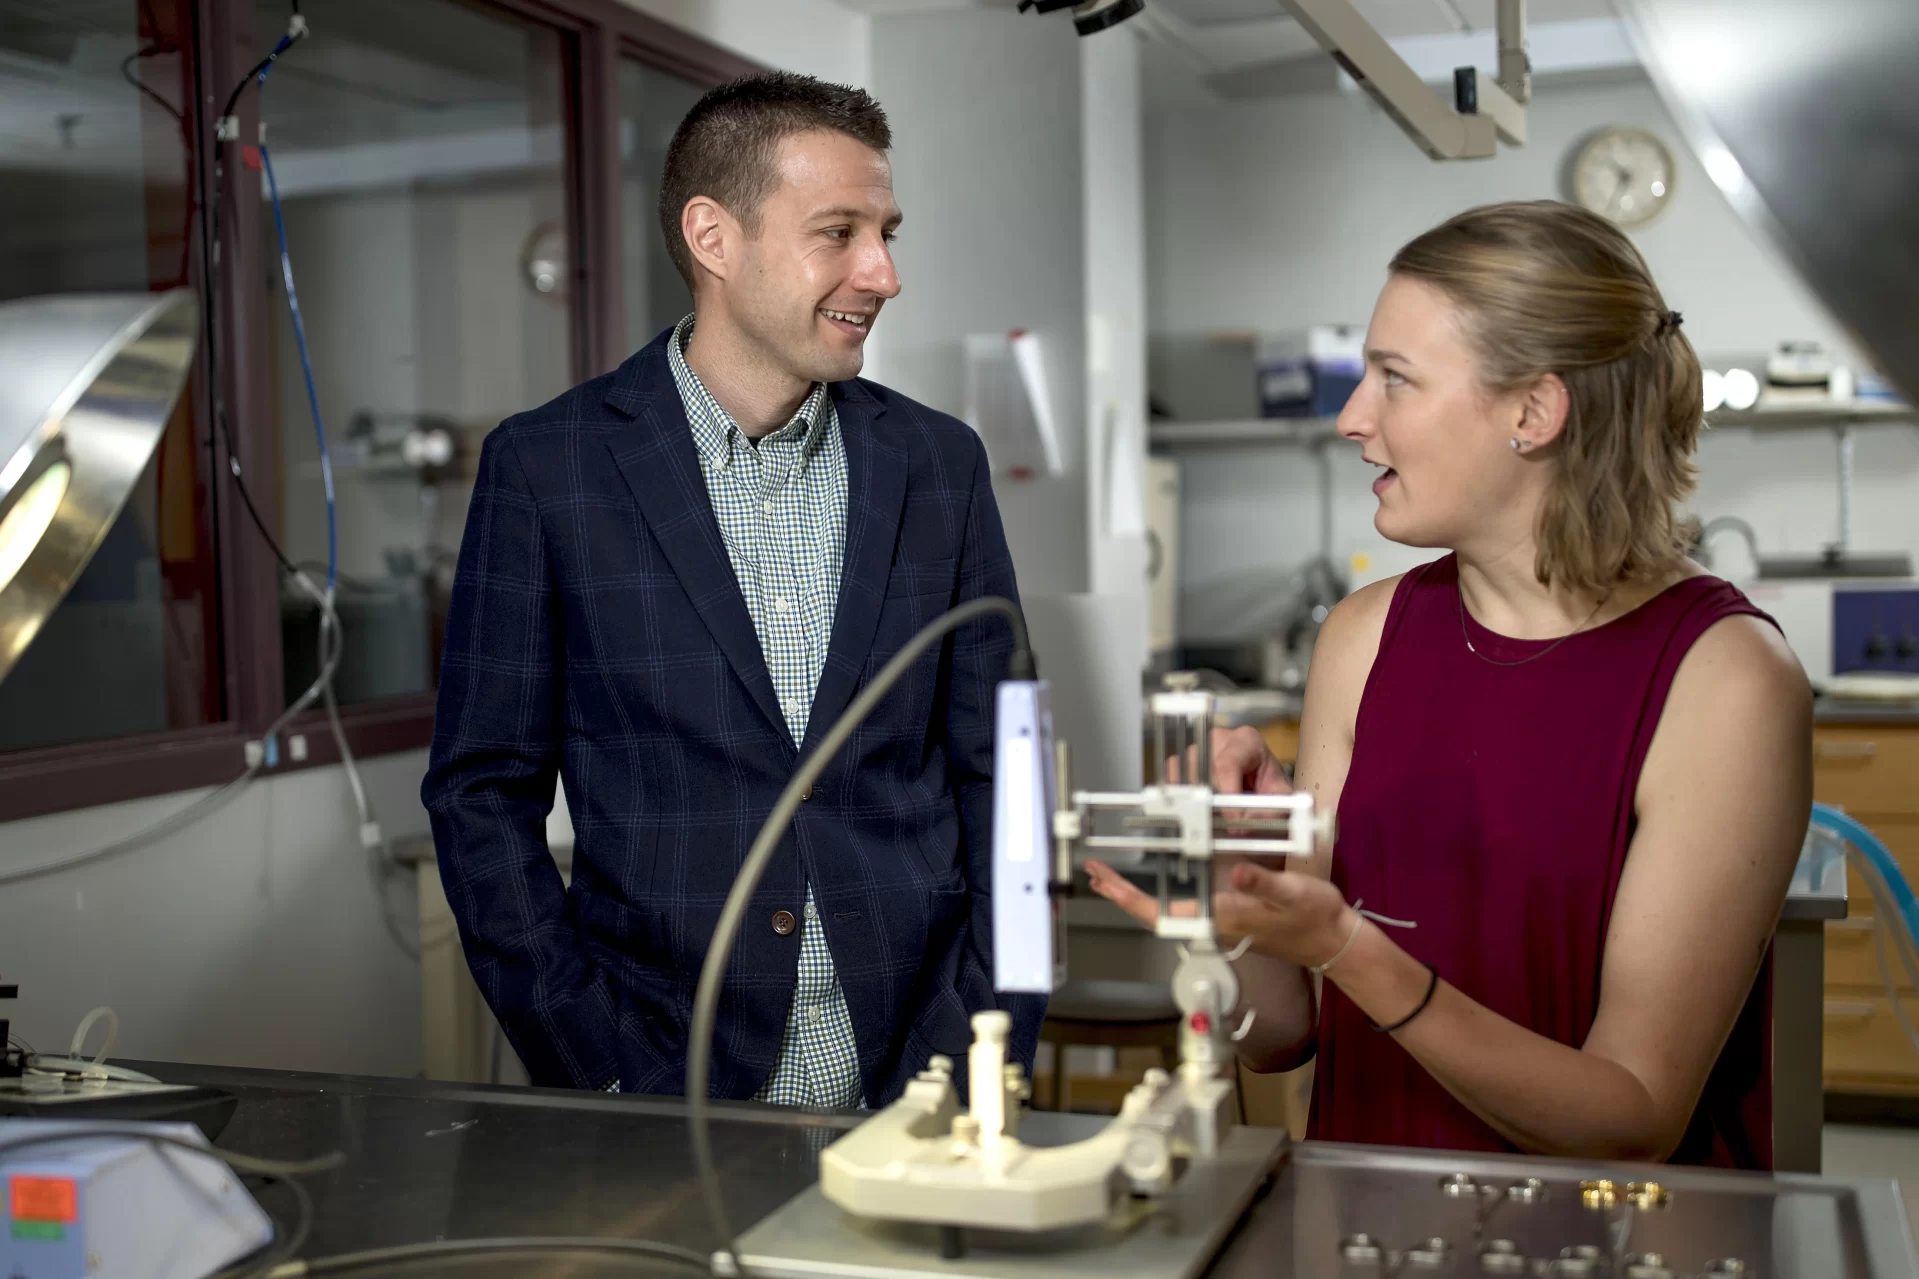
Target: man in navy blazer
{"type": "Point", "coordinates": [674, 579]}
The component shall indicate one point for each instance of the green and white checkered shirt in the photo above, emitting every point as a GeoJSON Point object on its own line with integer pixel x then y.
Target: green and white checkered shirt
{"type": "Point", "coordinates": [781, 503]}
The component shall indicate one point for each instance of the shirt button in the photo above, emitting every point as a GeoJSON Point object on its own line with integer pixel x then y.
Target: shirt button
{"type": "Point", "coordinates": [814, 1015]}
{"type": "Point", "coordinates": [812, 911]}
{"type": "Point", "coordinates": [781, 604]}
{"type": "Point", "coordinates": [784, 923]}
{"type": "Point", "coordinates": [766, 508]}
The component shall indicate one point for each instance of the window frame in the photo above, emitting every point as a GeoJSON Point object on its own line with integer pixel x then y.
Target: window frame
{"type": "Point", "coordinates": [597, 34]}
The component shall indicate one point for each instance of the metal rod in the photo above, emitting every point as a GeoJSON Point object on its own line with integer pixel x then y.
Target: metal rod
{"type": "Point", "coordinates": [1515, 64]}
{"type": "Point", "coordinates": [1845, 489]}
{"type": "Point", "coordinates": [1063, 787]}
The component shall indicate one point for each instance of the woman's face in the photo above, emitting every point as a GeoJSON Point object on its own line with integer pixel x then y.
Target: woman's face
{"type": "Point", "coordinates": [1449, 474]}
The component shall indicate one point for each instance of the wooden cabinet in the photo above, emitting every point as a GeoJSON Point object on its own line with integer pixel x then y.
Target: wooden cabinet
{"type": "Point", "coordinates": [1871, 771]}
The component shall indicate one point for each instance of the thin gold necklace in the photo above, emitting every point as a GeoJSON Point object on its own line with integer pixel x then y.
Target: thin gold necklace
{"type": "Point", "coordinates": [1459, 599]}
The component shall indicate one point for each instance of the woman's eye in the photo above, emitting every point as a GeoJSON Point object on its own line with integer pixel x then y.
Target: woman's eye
{"type": "Point", "coordinates": [1392, 378]}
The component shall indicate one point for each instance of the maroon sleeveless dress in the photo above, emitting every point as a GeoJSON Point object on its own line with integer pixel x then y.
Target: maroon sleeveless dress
{"type": "Point", "coordinates": [1493, 805]}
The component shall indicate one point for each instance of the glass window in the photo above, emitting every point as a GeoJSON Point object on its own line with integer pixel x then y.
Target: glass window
{"type": "Point", "coordinates": [96, 194]}
{"type": "Point", "coordinates": [420, 152]}
{"type": "Point", "coordinates": [652, 104]}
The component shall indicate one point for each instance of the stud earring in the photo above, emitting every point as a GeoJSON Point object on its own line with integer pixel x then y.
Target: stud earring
{"type": "Point", "coordinates": [1517, 445]}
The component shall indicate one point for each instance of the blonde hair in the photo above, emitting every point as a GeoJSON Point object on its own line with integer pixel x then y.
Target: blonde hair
{"type": "Point", "coordinates": [1545, 287]}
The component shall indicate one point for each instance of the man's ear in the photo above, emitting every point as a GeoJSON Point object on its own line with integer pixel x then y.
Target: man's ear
{"type": "Point", "coordinates": [1542, 412]}
{"type": "Point", "coordinates": [713, 236]}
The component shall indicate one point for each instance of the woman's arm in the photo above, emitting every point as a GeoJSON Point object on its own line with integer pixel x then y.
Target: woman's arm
{"type": "Point", "coordinates": [1279, 991]}
{"type": "Point", "coordinates": [1722, 807]}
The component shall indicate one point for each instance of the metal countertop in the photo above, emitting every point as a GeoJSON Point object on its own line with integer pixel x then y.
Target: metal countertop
{"type": "Point", "coordinates": [443, 1160]}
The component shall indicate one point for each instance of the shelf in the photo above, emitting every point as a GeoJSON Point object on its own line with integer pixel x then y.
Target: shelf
{"type": "Point", "coordinates": [1243, 431]}
{"type": "Point", "coordinates": [1801, 417]}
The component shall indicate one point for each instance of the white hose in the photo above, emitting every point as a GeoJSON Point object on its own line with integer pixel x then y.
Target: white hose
{"type": "Point", "coordinates": [330, 648]}
{"type": "Point", "coordinates": [86, 1024]}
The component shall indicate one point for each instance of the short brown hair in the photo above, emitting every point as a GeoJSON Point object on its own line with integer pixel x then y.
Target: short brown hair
{"type": "Point", "coordinates": [728, 145]}
{"type": "Point", "coordinates": [1546, 287]}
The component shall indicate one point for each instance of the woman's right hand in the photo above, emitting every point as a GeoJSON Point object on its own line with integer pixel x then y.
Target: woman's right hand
{"type": "Point", "coordinates": [1242, 762]}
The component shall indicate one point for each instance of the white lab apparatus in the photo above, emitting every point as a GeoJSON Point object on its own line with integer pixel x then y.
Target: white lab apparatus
{"type": "Point", "coordinates": [116, 1204]}
{"type": "Point", "coordinates": [1008, 400]}
{"type": "Point", "coordinates": [925, 1160]}
{"type": "Point", "coordinates": [1023, 801]}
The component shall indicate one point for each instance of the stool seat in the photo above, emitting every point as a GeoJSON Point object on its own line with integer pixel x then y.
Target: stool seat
{"type": "Point", "coordinates": [1113, 1002]}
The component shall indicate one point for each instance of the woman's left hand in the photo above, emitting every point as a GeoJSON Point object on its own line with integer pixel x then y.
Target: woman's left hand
{"type": "Point", "coordinates": [1300, 918]}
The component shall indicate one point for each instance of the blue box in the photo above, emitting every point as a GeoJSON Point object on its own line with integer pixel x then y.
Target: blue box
{"type": "Point", "coordinates": [1875, 629]}
{"type": "Point", "coordinates": [1311, 373]}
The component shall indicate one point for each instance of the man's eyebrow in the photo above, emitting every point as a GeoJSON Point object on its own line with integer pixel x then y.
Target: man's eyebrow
{"type": "Point", "coordinates": [851, 214]}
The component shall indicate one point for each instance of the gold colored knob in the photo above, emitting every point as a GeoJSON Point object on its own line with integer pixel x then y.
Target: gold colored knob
{"type": "Point", "coordinates": [1647, 1195]}
{"type": "Point", "coordinates": [1600, 1194]}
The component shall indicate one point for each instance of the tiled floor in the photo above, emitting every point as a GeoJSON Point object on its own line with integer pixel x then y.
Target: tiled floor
{"type": "Point", "coordinates": [1853, 1151]}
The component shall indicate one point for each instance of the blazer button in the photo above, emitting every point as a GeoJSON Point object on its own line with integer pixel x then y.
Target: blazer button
{"type": "Point", "coordinates": [783, 922]}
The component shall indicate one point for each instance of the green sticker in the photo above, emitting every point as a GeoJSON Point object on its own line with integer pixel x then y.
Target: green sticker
{"type": "Point", "coordinates": [46, 1231]}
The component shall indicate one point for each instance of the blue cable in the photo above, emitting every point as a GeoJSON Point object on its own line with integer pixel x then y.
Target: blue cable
{"type": "Point", "coordinates": [1879, 857]}
{"type": "Point", "coordinates": [306, 367]}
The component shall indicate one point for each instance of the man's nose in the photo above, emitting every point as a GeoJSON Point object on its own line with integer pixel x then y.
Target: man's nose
{"type": "Point", "coordinates": [875, 273]}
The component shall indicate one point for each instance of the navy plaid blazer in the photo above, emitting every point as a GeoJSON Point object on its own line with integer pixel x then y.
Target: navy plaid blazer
{"type": "Point", "coordinates": [596, 632]}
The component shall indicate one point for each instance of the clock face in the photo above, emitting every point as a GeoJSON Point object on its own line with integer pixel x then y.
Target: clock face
{"type": "Point", "coordinates": [1623, 174]}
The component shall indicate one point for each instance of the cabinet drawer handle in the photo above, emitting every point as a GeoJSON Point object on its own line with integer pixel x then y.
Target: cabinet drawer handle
{"type": "Point", "coordinates": [1848, 1008]}
{"type": "Point", "coordinates": [1854, 924]}
{"type": "Point", "coordinates": [1845, 750]}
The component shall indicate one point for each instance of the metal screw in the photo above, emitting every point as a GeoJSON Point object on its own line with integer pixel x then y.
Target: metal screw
{"type": "Point", "coordinates": [1599, 1194]}
{"type": "Point", "coordinates": [1458, 1186]}
{"type": "Point", "coordinates": [1647, 1195]}
{"type": "Point", "coordinates": [1530, 1191]}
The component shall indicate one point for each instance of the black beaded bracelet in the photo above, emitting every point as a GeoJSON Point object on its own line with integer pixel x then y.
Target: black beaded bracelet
{"type": "Point", "coordinates": [1403, 1022]}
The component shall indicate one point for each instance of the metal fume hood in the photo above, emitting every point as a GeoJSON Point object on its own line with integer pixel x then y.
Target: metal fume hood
{"type": "Point", "coordinates": [1807, 117]}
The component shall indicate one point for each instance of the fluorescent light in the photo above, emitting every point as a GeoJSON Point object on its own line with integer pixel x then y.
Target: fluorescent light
{"type": "Point", "coordinates": [1712, 384]}
{"type": "Point", "coordinates": [1742, 389]}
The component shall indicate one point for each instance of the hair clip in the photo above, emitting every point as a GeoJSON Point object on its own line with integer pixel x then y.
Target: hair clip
{"type": "Point", "coordinates": [1668, 323]}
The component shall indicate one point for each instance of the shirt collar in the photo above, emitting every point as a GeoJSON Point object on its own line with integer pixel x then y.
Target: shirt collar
{"type": "Point", "coordinates": [717, 436]}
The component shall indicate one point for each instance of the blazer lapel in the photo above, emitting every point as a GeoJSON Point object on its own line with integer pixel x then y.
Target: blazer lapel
{"type": "Point", "coordinates": [657, 459]}
{"type": "Point", "coordinates": [875, 497]}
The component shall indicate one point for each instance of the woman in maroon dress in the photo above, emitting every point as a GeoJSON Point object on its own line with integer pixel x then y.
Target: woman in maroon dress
{"type": "Point", "coordinates": [1577, 763]}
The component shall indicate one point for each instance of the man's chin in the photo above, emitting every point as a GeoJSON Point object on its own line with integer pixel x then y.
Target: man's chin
{"type": "Point", "coordinates": [839, 366]}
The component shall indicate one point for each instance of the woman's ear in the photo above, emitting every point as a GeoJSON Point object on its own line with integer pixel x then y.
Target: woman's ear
{"type": "Point", "coordinates": [1542, 413]}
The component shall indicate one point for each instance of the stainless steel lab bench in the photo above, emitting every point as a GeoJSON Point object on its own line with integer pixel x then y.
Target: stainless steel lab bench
{"type": "Point", "coordinates": [450, 1161]}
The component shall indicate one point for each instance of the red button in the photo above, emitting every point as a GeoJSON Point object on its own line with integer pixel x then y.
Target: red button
{"type": "Point", "coordinates": [45, 1199]}
{"type": "Point", "coordinates": [784, 923]}
{"type": "Point", "coordinates": [1202, 1024]}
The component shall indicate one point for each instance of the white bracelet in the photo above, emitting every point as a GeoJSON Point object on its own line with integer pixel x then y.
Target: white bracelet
{"type": "Point", "coordinates": [1319, 970]}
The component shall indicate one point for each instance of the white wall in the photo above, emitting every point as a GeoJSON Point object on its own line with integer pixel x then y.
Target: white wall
{"type": "Point", "coordinates": [817, 37]}
{"type": "Point", "coordinates": [1284, 212]}
{"type": "Point", "coordinates": [985, 107]}
{"type": "Point", "coordinates": [1114, 248]}
{"type": "Point", "coordinates": [253, 938]}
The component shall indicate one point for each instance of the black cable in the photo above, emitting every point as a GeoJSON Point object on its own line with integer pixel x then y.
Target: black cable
{"type": "Point", "coordinates": [706, 1000]}
{"type": "Point", "coordinates": [126, 73]}
{"type": "Point", "coordinates": [215, 390]}
{"type": "Point", "coordinates": [478, 1249]}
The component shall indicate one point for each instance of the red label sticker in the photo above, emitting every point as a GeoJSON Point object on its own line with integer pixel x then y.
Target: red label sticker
{"type": "Point", "coordinates": [45, 1199]}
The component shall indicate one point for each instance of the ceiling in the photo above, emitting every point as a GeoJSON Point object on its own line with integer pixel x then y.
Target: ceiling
{"type": "Point", "coordinates": [1206, 51]}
